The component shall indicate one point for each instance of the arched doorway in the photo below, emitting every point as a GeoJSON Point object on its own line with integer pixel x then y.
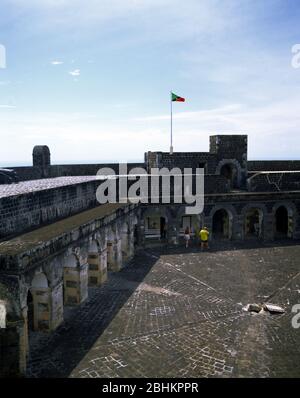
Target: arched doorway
{"type": "Point", "coordinates": [229, 171]}
{"type": "Point", "coordinates": [253, 223]}
{"type": "Point", "coordinates": [156, 225]}
{"type": "Point", "coordinates": [281, 222]}
{"type": "Point", "coordinates": [221, 224]}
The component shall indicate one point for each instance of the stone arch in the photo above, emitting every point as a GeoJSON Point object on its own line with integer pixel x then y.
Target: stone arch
{"type": "Point", "coordinates": [111, 233]}
{"type": "Point", "coordinates": [156, 220]}
{"type": "Point", "coordinates": [222, 221]}
{"type": "Point", "coordinates": [102, 239]}
{"type": "Point", "coordinates": [124, 226]}
{"type": "Point", "coordinates": [39, 303]}
{"type": "Point", "coordinates": [284, 217]}
{"type": "Point", "coordinates": [93, 246]}
{"type": "Point", "coordinates": [71, 261]}
{"type": "Point", "coordinates": [193, 221]}
{"type": "Point", "coordinates": [231, 170]}
{"type": "Point", "coordinates": [253, 223]}
{"type": "Point", "coordinates": [254, 216]}
{"type": "Point", "coordinates": [40, 281]}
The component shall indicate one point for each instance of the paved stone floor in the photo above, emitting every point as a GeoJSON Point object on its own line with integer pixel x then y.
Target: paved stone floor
{"type": "Point", "coordinates": [174, 312]}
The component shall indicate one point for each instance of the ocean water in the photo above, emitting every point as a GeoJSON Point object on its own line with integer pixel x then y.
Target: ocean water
{"type": "Point", "coordinates": [17, 163]}
{"type": "Point", "coordinates": [14, 164]}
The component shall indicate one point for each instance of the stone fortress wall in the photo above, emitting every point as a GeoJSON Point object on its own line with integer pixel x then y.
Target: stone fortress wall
{"type": "Point", "coordinates": [47, 193]}
{"type": "Point", "coordinates": [56, 240]}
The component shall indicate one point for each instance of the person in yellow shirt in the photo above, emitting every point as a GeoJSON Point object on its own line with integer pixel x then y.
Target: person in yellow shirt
{"type": "Point", "coordinates": [204, 234]}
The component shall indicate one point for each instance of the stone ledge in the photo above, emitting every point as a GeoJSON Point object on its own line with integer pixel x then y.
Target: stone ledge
{"type": "Point", "coordinates": [41, 237]}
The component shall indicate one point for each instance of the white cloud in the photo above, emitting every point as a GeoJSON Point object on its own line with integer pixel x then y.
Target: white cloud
{"type": "Point", "coordinates": [272, 130]}
{"type": "Point", "coordinates": [75, 72]}
{"type": "Point", "coordinates": [7, 106]}
{"type": "Point", "coordinates": [57, 62]}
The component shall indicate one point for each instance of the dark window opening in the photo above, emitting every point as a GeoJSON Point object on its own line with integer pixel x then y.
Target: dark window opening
{"type": "Point", "coordinates": [281, 221]}
{"type": "Point", "coordinates": [163, 228]}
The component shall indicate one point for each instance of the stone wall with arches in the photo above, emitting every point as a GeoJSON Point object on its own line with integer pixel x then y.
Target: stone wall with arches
{"type": "Point", "coordinates": [56, 271]}
{"type": "Point", "coordinates": [233, 220]}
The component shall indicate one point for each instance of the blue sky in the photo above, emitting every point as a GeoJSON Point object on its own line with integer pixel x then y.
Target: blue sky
{"type": "Point", "coordinates": [91, 79]}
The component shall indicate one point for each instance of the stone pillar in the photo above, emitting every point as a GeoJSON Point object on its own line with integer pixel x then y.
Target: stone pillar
{"type": "Point", "coordinates": [127, 245]}
{"type": "Point", "coordinates": [124, 245]}
{"type": "Point", "coordinates": [268, 229]}
{"type": "Point", "coordinates": [47, 307]}
{"type": "Point", "coordinates": [173, 233]}
{"type": "Point", "coordinates": [23, 346]}
{"type": "Point", "coordinates": [130, 243]}
{"type": "Point", "coordinates": [41, 308]}
{"type": "Point", "coordinates": [57, 306]}
{"type": "Point", "coordinates": [24, 313]}
{"type": "Point", "coordinates": [75, 284]}
{"type": "Point", "coordinates": [103, 265]}
{"type": "Point", "coordinates": [140, 234]}
{"type": "Point", "coordinates": [114, 255]}
{"type": "Point", "coordinates": [97, 268]}
{"type": "Point", "coordinates": [239, 230]}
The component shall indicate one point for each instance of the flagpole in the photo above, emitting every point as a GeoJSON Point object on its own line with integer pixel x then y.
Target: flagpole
{"type": "Point", "coordinates": [171, 147]}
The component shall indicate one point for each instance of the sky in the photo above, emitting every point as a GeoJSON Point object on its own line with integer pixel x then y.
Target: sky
{"type": "Point", "coordinates": [92, 79]}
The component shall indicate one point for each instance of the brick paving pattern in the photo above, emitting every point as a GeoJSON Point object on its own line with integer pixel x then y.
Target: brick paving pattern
{"type": "Point", "coordinates": [178, 313]}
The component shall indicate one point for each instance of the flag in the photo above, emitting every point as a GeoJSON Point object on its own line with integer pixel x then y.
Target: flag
{"type": "Point", "coordinates": [177, 98]}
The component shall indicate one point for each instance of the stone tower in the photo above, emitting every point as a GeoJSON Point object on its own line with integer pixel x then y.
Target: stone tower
{"type": "Point", "coordinates": [231, 154]}
{"type": "Point", "coordinates": [41, 159]}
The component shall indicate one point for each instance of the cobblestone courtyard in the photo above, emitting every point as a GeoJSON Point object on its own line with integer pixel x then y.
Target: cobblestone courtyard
{"type": "Point", "coordinates": [176, 312]}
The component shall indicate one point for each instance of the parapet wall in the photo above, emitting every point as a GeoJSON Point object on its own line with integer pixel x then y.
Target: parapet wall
{"type": "Point", "coordinates": [35, 173]}
{"type": "Point", "coordinates": [29, 205]}
{"type": "Point", "coordinates": [20, 213]}
{"type": "Point", "coordinates": [274, 182]}
{"type": "Point", "coordinates": [273, 165]}
{"type": "Point", "coordinates": [182, 160]}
